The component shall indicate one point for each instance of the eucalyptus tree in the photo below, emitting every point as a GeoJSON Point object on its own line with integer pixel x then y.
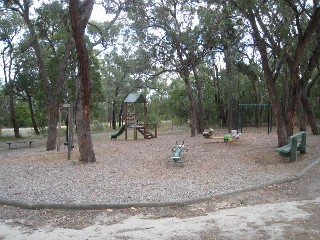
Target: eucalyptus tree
{"type": "Point", "coordinates": [117, 74]}
{"type": "Point", "coordinates": [80, 13]}
{"type": "Point", "coordinates": [282, 32]}
{"type": "Point", "coordinates": [11, 27]}
{"type": "Point", "coordinates": [4, 108]}
{"type": "Point", "coordinates": [308, 78]}
{"type": "Point", "coordinates": [40, 33]}
{"type": "Point", "coordinates": [104, 33]}
{"type": "Point", "coordinates": [27, 83]}
{"type": "Point", "coordinates": [228, 35]}
{"type": "Point", "coordinates": [169, 32]}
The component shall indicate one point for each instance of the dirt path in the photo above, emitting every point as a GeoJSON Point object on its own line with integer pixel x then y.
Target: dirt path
{"type": "Point", "coordinates": [286, 211]}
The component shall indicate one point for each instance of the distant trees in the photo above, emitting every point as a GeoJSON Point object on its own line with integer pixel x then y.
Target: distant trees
{"type": "Point", "coordinates": [10, 30]}
{"type": "Point", "coordinates": [285, 34]}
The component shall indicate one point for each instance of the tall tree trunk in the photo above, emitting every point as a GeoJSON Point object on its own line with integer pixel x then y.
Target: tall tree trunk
{"type": "Point", "coordinates": [218, 99]}
{"type": "Point", "coordinates": [260, 43]}
{"type": "Point", "coordinates": [13, 110]}
{"type": "Point", "coordinates": [52, 95]}
{"type": "Point", "coordinates": [294, 63]}
{"type": "Point", "coordinates": [10, 83]}
{"type": "Point", "coordinates": [232, 88]}
{"type": "Point", "coordinates": [80, 15]}
{"type": "Point", "coordinates": [34, 123]}
{"type": "Point", "coordinates": [310, 116]}
{"type": "Point", "coordinates": [120, 114]}
{"type": "Point", "coordinates": [200, 114]}
{"type": "Point", "coordinates": [252, 75]}
{"type": "Point", "coordinates": [302, 118]}
{"type": "Point", "coordinates": [114, 122]}
{"type": "Point", "coordinates": [193, 119]}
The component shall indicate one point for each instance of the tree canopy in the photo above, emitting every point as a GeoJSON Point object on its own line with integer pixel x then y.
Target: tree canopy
{"type": "Point", "coordinates": [196, 60]}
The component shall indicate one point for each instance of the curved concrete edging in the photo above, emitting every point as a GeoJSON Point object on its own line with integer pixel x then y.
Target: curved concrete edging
{"type": "Point", "coordinates": [99, 206]}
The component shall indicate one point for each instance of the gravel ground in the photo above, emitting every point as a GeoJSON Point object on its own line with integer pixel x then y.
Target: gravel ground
{"type": "Point", "coordinates": [140, 171]}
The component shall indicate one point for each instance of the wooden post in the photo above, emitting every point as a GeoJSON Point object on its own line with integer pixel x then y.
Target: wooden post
{"type": "Point", "coordinates": [70, 130]}
{"type": "Point", "coordinates": [145, 124]}
{"type": "Point", "coordinates": [135, 123]}
{"type": "Point", "coordinates": [59, 129]}
{"type": "Point", "coordinates": [126, 121]}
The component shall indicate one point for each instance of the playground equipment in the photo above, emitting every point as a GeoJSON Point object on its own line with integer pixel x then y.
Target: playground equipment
{"type": "Point", "coordinates": [208, 134]}
{"type": "Point", "coordinates": [256, 106]}
{"type": "Point", "coordinates": [131, 119]}
{"type": "Point", "coordinates": [117, 134]}
{"type": "Point", "coordinates": [177, 151]}
{"type": "Point", "coordinates": [68, 109]}
{"type": "Point", "coordinates": [226, 138]}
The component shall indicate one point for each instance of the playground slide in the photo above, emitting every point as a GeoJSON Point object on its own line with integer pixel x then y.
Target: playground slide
{"type": "Point", "coordinates": [120, 131]}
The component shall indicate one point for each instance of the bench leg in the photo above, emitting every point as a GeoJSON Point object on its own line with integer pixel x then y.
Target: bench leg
{"type": "Point", "coordinates": [293, 155]}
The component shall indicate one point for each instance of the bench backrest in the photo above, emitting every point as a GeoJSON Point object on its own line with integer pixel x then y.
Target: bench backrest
{"type": "Point", "coordinates": [301, 138]}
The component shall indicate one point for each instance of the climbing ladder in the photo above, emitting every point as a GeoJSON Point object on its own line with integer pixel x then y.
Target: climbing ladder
{"type": "Point", "coordinates": [148, 134]}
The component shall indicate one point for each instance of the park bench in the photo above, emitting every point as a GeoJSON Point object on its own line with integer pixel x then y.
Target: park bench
{"type": "Point", "coordinates": [21, 141]}
{"type": "Point", "coordinates": [296, 142]}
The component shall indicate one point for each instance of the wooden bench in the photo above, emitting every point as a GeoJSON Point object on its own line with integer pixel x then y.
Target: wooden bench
{"type": "Point", "coordinates": [296, 142]}
{"type": "Point", "coordinates": [22, 141]}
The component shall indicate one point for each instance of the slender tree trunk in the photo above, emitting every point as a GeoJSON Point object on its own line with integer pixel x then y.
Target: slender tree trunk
{"type": "Point", "coordinates": [53, 115]}
{"type": "Point", "coordinates": [114, 122]}
{"type": "Point", "coordinates": [233, 91]}
{"type": "Point", "coordinates": [80, 15]}
{"type": "Point", "coordinates": [200, 114]}
{"type": "Point", "coordinates": [260, 43]}
{"type": "Point", "coordinates": [308, 111]}
{"type": "Point", "coordinates": [120, 114]}
{"type": "Point", "coordinates": [193, 119]}
{"type": "Point", "coordinates": [52, 95]}
{"type": "Point", "coordinates": [293, 107]}
{"type": "Point", "coordinates": [302, 118]}
{"type": "Point", "coordinates": [34, 123]}
{"type": "Point", "coordinates": [218, 99]}
{"type": "Point", "coordinates": [10, 82]}
{"type": "Point", "coordinates": [13, 111]}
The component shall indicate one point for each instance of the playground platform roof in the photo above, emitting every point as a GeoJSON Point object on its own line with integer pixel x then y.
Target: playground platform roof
{"type": "Point", "coordinates": [136, 97]}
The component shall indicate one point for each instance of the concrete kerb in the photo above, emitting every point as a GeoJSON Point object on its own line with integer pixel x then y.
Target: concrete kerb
{"type": "Point", "coordinates": [99, 206]}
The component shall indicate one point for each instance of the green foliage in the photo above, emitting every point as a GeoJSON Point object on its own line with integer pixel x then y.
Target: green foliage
{"type": "Point", "coordinates": [146, 42]}
{"type": "Point", "coordinates": [23, 114]}
{"type": "Point", "coordinates": [178, 101]}
{"type": "Point", "coordinates": [96, 126]}
{"type": "Point", "coordinates": [4, 109]}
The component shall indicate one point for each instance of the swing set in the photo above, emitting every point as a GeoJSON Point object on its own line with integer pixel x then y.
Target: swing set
{"type": "Point", "coordinates": [254, 106]}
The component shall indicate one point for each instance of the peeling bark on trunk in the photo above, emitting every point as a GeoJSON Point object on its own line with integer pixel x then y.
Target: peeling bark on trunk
{"type": "Point", "coordinates": [80, 15]}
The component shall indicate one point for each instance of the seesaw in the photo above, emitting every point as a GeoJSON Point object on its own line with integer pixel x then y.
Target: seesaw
{"type": "Point", "coordinates": [177, 151]}
{"type": "Point", "coordinates": [226, 138]}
